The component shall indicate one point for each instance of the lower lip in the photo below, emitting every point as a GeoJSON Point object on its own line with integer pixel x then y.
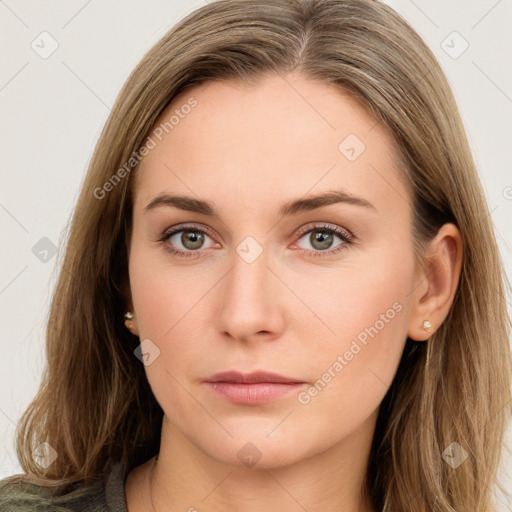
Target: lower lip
{"type": "Point", "coordinates": [253, 394]}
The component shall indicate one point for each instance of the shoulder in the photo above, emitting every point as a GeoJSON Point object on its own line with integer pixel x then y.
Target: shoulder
{"type": "Point", "coordinates": [101, 496]}
{"type": "Point", "coordinates": [18, 496]}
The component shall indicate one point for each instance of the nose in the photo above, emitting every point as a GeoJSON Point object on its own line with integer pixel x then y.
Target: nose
{"type": "Point", "coordinates": [250, 301]}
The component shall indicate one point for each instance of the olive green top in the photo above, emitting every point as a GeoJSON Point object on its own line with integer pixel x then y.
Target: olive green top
{"type": "Point", "coordinates": [105, 495]}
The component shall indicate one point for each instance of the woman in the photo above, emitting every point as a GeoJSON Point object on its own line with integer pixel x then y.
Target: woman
{"type": "Point", "coordinates": [281, 288]}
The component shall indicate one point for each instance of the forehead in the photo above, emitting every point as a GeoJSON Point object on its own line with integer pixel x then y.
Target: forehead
{"type": "Point", "coordinates": [283, 134]}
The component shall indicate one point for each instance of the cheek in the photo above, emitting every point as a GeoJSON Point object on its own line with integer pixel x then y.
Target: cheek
{"type": "Point", "coordinates": [164, 296]}
{"type": "Point", "coordinates": [170, 304]}
{"type": "Point", "coordinates": [353, 373]}
{"type": "Point", "coordinates": [164, 305]}
{"type": "Point", "coordinates": [367, 312]}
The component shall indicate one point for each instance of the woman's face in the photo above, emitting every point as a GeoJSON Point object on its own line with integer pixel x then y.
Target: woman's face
{"type": "Point", "coordinates": [267, 284]}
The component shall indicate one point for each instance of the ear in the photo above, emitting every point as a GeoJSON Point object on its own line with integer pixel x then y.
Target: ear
{"type": "Point", "coordinates": [127, 296]}
{"type": "Point", "coordinates": [437, 283]}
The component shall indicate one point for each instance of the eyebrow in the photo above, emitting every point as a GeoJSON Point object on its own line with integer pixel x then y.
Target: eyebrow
{"type": "Point", "coordinates": [293, 207]}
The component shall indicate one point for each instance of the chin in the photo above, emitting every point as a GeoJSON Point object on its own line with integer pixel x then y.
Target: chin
{"type": "Point", "coordinates": [256, 451]}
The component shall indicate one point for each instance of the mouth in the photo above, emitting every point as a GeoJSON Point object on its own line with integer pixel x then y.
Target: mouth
{"type": "Point", "coordinates": [253, 388]}
{"type": "Point", "coordinates": [255, 377]}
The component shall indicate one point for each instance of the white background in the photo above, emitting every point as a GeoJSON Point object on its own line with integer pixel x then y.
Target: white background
{"type": "Point", "coordinates": [53, 109]}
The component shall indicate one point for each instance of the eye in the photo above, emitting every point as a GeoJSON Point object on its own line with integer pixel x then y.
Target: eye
{"type": "Point", "coordinates": [191, 239]}
{"type": "Point", "coordinates": [322, 237]}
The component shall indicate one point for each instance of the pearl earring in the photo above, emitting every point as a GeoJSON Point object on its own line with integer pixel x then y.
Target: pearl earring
{"type": "Point", "coordinates": [128, 320]}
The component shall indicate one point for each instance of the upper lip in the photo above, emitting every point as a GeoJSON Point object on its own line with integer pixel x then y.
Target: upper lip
{"type": "Point", "coordinates": [253, 377]}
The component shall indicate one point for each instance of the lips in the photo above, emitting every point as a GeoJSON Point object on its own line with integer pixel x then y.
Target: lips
{"type": "Point", "coordinates": [255, 377]}
{"type": "Point", "coordinates": [255, 388]}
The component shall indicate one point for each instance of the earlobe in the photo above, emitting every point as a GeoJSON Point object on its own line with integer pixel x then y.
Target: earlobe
{"type": "Point", "coordinates": [432, 302]}
{"type": "Point", "coordinates": [129, 317]}
{"type": "Point", "coordinates": [130, 323]}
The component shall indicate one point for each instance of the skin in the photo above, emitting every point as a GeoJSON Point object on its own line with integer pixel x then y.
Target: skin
{"type": "Point", "coordinates": [248, 150]}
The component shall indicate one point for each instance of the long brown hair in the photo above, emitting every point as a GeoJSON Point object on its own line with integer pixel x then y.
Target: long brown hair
{"type": "Point", "coordinates": [95, 405]}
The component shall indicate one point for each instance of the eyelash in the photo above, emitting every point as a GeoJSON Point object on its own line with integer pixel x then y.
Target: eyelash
{"type": "Point", "coordinates": [344, 235]}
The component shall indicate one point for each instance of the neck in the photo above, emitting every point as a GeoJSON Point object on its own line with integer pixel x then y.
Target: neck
{"type": "Point", "coordinates": [185, 478]}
